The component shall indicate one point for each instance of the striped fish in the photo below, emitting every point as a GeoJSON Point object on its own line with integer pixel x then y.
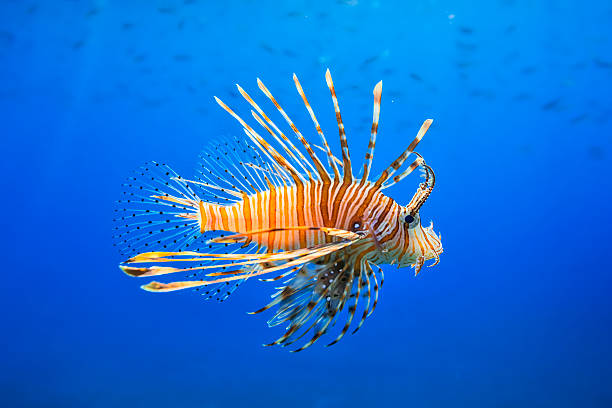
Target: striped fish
{"type": "Point", "coordinates": [262, 207]}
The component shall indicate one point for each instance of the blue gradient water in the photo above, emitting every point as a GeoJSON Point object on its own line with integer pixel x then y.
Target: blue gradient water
{"type": "Point", "coordinates": [517, 313]}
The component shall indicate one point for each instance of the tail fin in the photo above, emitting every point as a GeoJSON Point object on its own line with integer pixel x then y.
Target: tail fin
{"type": "Point", "coordinates": [158, 210]}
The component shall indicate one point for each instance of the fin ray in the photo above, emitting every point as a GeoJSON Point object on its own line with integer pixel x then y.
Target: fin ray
{"type": "Point", "coordinates": [346, 158]}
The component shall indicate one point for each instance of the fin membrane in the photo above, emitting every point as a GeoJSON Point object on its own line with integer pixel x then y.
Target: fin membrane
{"type": "Point", "coordinates": [143, 221]}
{"type": "Point", "coordinates": [322, 293]}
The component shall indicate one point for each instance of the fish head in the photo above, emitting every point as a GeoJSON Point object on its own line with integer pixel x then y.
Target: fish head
{"type": "Point", "coordinates": [419, 244]}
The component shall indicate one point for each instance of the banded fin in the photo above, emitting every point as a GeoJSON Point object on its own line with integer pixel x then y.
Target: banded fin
{"type": "Point", "coordinates": [160, 209]}
{"type": "Point", "coordinates": [274, 131]}
{"type": "Point", "coordinates": [346, 158]}
{"type": "Point", "coordinates": [281, 164]}
{"type": "Point", "coordinates": [332, 158]}
{"type": "Point", "coordinates": [326, 148]}
{"type": "Point", "coordinates": [397, 163]}
{"type": "Point", "coordinates": [222, 291]}
{"type": "Point", "coordinates": [320, 170]}
{"type": "Point", "coordinates": [225, 267]}
{"type": "Point", "coordinates": [314, 299]}
{"type": "Point", "coordinates": [372, 143]}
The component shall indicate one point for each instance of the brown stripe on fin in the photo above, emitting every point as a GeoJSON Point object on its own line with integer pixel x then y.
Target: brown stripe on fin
{"type": "Point", "coordinates": [365, 278]}
{"type": "Point", "coordinates": [171, 287]}
{"type": "Point", "coordinates": [372, 143]}
{"type": "Point", "coordinates": [377, 286]}
{"type": "Point", "coordinates": [319, 167]}
{"type": "Point", "coordinates": [291, 152]}
{"type": "Point", "coordinates": [268, 262]}
{"type": "Point", "coordinates": [346, 159]}
{"type": "Point", "coordinates": [326, 148]}
{"type": "Point", "coordinates": [352, 308]}
{"type": "Point", "coordinates": [332, 158]}
{"type": "Point", "coordinates": [396, 179]}
{"type": "Point", "coordinates": [264, 146]}
{"type": "Point", "coordinates": [313, 299]}
{"type": "Point", "coordinates": [389, 171]}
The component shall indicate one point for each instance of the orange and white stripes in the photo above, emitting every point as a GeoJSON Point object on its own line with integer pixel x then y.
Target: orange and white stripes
{"type": "Point", "coordinates": [346, 207]}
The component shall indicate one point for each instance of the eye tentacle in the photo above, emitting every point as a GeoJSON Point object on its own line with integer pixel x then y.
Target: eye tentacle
{"type": "Point", "coordinates": [424, 190]}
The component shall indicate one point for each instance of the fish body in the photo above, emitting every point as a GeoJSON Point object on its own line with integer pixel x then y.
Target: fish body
{"type": "Point", "coordinates": [260, 207]}
{"type": "Point", "coordinates": [317, 204]}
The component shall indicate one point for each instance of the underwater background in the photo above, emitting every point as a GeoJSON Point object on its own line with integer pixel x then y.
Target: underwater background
{"type": "Point", "coordinates": [517, 313]}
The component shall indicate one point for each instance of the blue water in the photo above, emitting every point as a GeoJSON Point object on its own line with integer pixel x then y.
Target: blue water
{"type": "Point", "coordinates": [517, 313]}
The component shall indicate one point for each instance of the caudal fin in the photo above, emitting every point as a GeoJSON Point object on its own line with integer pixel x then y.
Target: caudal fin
{"type": "Point", "coordinates": [158, 211]}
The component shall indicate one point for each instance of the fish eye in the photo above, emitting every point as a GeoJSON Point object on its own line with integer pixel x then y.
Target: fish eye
{"type": "Point", "coordinates": [411, 220]}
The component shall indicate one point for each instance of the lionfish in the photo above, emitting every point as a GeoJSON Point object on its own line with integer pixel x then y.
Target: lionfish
{"type": "Point", "coordinates": [255, 209]}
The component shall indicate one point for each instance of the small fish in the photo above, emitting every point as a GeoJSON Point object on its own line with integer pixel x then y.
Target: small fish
{"type": "Point", "coordinates": [127, 26]}
{"type": "Point", "coordinates": [579, 118]}
{"type": "Point", "coordinates": [233, 94]}
{"type": "Point", "coordinates": [77, 45]}
{"type": "Point", "coordinates": [289, 53]}
{"type": "Point", "coordinates": [166, 10]}
{"type": "Point", "coordinates": [465, 30]}
{"type": "Point", "coordinates": [416, 77]}
{"type": "Point", "coordinates": [139, 58]}
{"type": "Point", "coordinates": [596, 153]}
{"type": "Point", "coordinates": [551, 104]}
{"type": "Point", "coordinates": [6, 38]}
{"type": "Point", "coordinates": [182, 57]}
{"type": "Point", "coordinates": [267, 48]}
{"type": "Point", "coordinates": [369, 60]}
{"type": "Point", "coordinates": [260, 208]}
{"type": "Point", "coordinates": [602, 64]}
{"type": "Point", "coordinates": [528, 70]}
